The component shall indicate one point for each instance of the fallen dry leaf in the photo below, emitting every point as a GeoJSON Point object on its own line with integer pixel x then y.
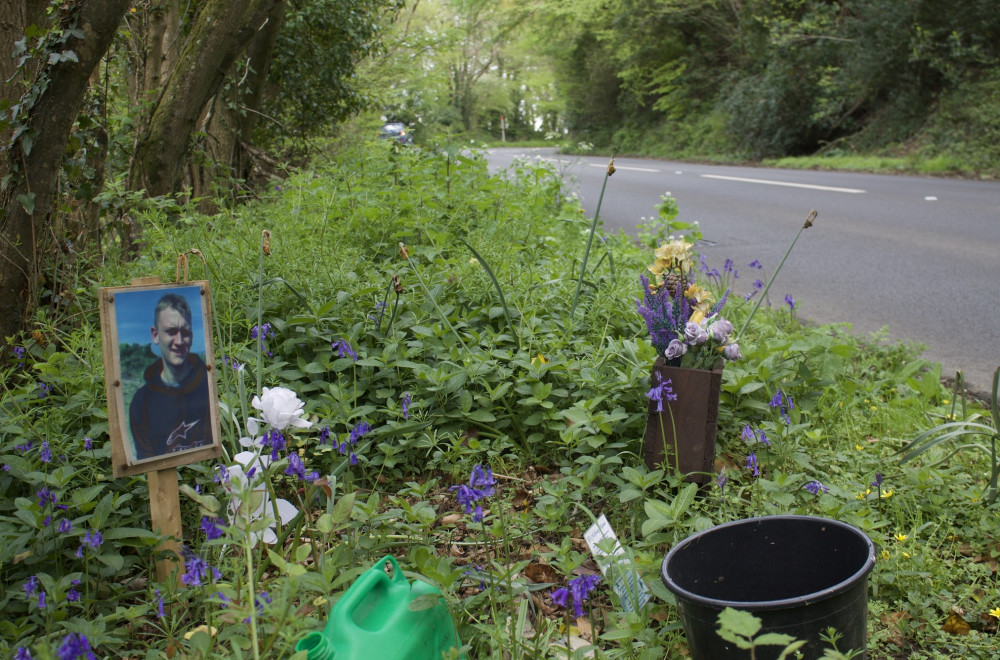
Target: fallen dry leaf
{"type": "Point", "coordinates": [956, 625]}
{"type": "Point", "coordinates": [451, 518]}
{"type": "Point", "coordinates": [541, 573]}
{"type": "Point", "coordinates": [522, 500]}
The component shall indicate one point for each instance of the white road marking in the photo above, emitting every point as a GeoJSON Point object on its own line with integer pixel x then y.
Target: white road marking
{"type": "Point", "coordinates": [623, 167]}
{"type": "Point", "coordinates": [930, 198]}
{"type": "Point", "coordinates": [783, 183]}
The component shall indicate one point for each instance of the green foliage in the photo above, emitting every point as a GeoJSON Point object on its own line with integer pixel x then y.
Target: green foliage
{"type": "Point", "coordinates": [448, 374]}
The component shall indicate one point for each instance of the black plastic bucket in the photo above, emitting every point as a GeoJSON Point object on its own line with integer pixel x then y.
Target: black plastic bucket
{"type": "Point", "coordinates": [798, 574]}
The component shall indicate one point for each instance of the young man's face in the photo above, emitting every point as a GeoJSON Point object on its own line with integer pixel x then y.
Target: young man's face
{"type": "Point", "coordinates": [173, 335]}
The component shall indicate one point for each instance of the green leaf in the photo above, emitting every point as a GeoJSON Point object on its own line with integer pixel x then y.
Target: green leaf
{"type": "Point", "coordinates": [739, 622]}
{"type": "Point", "coordinates": [424, 602]}
{"type": "Point", "coordinates": [27, 200]}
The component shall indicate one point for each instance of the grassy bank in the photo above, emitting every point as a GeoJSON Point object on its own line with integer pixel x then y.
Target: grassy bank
{"type": "Point", "coordinates": [421, 312]}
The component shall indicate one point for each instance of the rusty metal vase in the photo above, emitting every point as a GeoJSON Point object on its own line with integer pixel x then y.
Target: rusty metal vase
{"type": "Point", "coordinates": [695, 416]}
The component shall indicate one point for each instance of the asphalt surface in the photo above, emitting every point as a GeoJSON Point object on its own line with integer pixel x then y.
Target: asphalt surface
{"type": "Point", "coordinates": [916, 256]}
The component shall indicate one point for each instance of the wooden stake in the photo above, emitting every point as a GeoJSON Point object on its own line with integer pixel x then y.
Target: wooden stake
{"type": "Point", "coordinates": [165, 515]}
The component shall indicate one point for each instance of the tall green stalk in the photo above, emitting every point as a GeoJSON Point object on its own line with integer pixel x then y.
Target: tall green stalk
{"type": "Point", "coordinates": [808, 223]}
{"type": "Point", "coordinates": [590, 238]}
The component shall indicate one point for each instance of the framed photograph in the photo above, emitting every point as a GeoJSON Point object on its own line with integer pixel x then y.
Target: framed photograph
{"type": "Point", "coordinates": [163, 403]}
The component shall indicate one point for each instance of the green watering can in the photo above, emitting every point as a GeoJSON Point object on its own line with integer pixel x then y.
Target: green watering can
{"type": "Point", "coordinates": [374, 619]}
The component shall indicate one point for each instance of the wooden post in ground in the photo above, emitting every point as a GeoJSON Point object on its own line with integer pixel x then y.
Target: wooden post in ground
{"type": "Point", "coordinates": [165, 518]}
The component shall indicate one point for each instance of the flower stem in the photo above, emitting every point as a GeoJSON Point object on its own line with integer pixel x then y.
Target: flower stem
{"type": "Point", "coordinates": [808, 223]}
{"type": "Point", "coordinates": [590, 238]}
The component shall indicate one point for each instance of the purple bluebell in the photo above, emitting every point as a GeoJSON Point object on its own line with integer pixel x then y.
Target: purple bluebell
{"type": "Point", "coordinates": [790, 301]}
{"type": "Point", "coordinates": [344, 349]}
{"type": "Point", "coordinates": [212, 527]}
{"type": "Point", "coordinates": [297, 468]}
{"type": "Point", "coordinates": [88, 444]}
{"type": "Point", "coordinates": [722, 480]}
{"type": "Point", "coordinates": [275, 440]}
{"type": "Point", "coordinates": [75, 646]}
{"type": "Point", "coordinates": [579, 590]}
{"type": "Point", "coordinates": [45, 454]}
{"type": "Point", "coordinates": [816, 487]}
{"type": "Point", "coordinates": [755, 264]}
{"type": "Point", "coordinates": [405, 402]}
{"type": "Point", "coordinates": [324, 435]}
{"type": "Point", "coordinates": [359, 431]}
{"type": "Point", "coordinates": [878, 480]}
{"type": "Point", "coordinates": [159, 604]}
{"type": "Point", "coordinates": [660, 393]}
{"type": "Point", "coordinates": [72, 595]}
{"type": "Point", "coordinates": [65, 526]}
{"type": "Point", "coordinates": [46, 496]}
{"type": "Point", "coordinates": [195, 567]}
{"type": "Point", "coordinates": [30, 586]}
{"type": "Point", "coordinates": [752, 465]}
{"type": "Point", "coordinates": [481, 485]}
{"type": "Point", "coordinates": [22, 653]}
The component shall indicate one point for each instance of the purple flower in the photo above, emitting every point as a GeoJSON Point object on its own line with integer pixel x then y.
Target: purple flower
{"type": "Point", "coordinates": [275, 440]}
{"type": "Point", "coordinates": [44, 389]}
{"type": "Point", "coordinates": [359, 431]}
{"type": "Point", "coordinates": [213, 527]}
{"type": "Point", "coordinates": [815, 487]}
{"type": "Point", "coordinates": [88, 444]}
{"type": "Point", "coordinates": [660, 393]}
{"type": "Point", "coordinates": [878, 480]}
{"type": "Point", "coordinates": [74, 646]}
{"type": "Point", "coordinates": [41, 599]}
{"type": "Point", "coordinates": [196, 568]}
{"type": "Point", "coordinates": [344, 349]}
{"type": "Point", "coordinates": [262, 599]}
{"type": "Point", "coordinates": [324, 435]}
{"type": "Point", "coordinates": [754, 264]}
{"type": "Point", "coordinates": [731, 352]}
{"type": "Point", "coordinates": [25, 446]}
{"type": "Point", "coordinates": [72, 595]}
{"type": "Point", "coordinates": [45, 454]}
{"type": "Point", "coordinates": [722, 480]}
{"type": "Point", "coordinates": [90, 540]}
{"type": "Point", "coordinates": [579, 590]}
{"type": "Point", "coordinates": [297, 468]}
{"type": "Point", "coordinates": [45, 496]}
{"type": "Point", "coordinates": [30, 586]}
{"type": "Point", "coordinates": [481, 485]}
{"type": "Point", "coordinates": [65, 526]}
{"type": "Point", "coordinates": [159, 604]}
{"type": "Point", "coordinates": [353, 458]}
{"type": "Point", "coordinates": [22, 652]}
{"type": "Point", "coordinates": [752, 465]}
{"type": "Point", "coordinates": [675, 349]}
{"type": "Point", "coordinates": [221, 475]}
{"type": "Point", "coordinates": [790, 301]}
{"type": "Point", "coordinates": [694, 334]}
{"type": "Point", "coordinates": [405, 402]}
{"type": "Point", "coordinates": [720, 330]}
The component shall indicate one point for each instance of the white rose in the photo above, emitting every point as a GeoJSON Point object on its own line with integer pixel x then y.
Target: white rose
{"type": "Point", "coordinates": [279, 407]}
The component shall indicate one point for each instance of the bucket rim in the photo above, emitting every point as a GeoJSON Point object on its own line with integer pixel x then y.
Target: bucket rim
{"type": "Point", "coordinates": [784, 603]}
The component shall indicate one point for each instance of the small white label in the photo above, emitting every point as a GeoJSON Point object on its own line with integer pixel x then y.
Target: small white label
{"type": "Point", "coordinates": [631, 589]}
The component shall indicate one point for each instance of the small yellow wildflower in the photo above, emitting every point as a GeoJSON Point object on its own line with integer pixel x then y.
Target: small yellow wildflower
{"type": "Point", "coordinates": [885, 554]}
{"type": "Point", "coordinates": [906, 554]}
{"type": "Point", "coordinates": [901, 537]}
{"type": "Point", "coordinates": [863, 494]}
{"type": "Point", "coordinates": [540, 359]}
{"type": "Point", "coordinates": [995, 612]}
{"type": "Point", "coordinates": [859, 447]}
{"type": "Point", "coordinates": [886, 494]}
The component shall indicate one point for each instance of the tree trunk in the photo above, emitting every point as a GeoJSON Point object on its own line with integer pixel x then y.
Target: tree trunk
{"type": "Point", "coordinates": [227, 24]}
{"type": "Point", "coordinates": [25, 201]}
{"type": "Point", "coordinates": [232, 116]}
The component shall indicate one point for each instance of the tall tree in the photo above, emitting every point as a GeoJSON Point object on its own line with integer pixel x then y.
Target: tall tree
{"type": "Point", "coordinates": [55, 62]}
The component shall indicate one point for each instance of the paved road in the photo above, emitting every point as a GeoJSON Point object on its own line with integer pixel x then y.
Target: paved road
{"type": "Point", "coordinates": [919, 256]}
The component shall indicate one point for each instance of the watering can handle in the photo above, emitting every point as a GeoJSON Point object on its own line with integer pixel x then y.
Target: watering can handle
{"type": "Point", "coordinates": [386, 570]}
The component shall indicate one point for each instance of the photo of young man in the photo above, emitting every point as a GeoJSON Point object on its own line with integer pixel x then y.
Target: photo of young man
{"type": "Point", "coordinates": [170, 412]}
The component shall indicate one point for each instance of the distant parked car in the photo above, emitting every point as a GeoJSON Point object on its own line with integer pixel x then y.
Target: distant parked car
{"type": "Point", "coordinates": [395, 131]}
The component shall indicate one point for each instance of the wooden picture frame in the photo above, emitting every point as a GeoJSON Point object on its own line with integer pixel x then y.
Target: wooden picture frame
{"type": "Point", "coordinates": [163, 402]}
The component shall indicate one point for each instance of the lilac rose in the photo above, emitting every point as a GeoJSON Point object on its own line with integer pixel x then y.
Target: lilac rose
{"type": "Point", "coordinates": [694, 334]}
{"type": "Point", "coordinates": [675, 349]}
{"type": "Point", "coordinates": [720, 331]}
{"type": "Point", "coordinates": [731, 352]}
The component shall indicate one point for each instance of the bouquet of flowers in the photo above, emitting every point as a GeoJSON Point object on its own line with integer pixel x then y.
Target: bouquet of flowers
{"type": "Point", "coordinates": [684, 320]}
